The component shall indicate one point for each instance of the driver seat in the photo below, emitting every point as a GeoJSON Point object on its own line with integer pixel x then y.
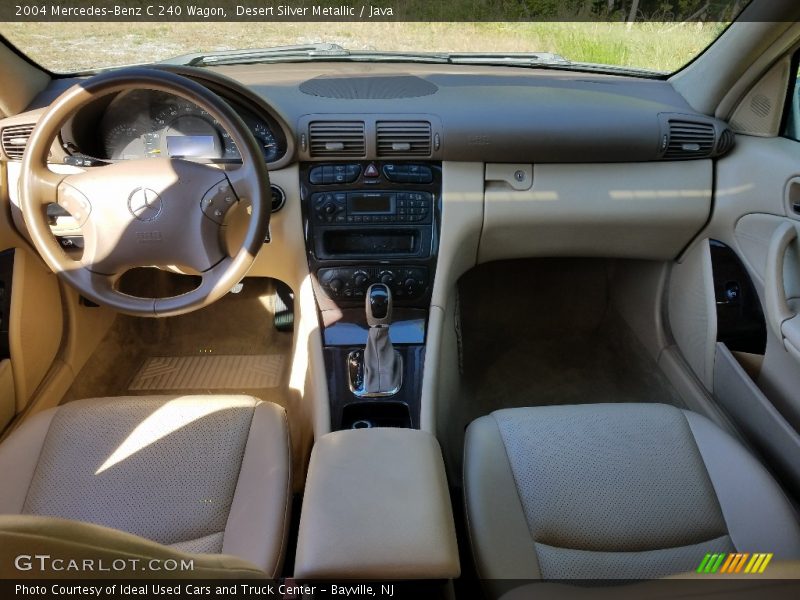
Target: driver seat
{"type": "Point", "coordinates": [198, 475]}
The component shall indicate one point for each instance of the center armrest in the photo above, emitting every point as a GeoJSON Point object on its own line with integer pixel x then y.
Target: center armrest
{"type": "Point", "coordinates": [377, 506]}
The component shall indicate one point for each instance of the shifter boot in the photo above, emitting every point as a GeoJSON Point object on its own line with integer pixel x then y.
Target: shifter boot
{"type": "Point", "coordinates": [382, 364]}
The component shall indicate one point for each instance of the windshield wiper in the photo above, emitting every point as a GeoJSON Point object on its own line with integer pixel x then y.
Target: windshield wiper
{"type": "Point", "coordinates": [335, 52]}
{"type": "Point", "coordinates": [258, 54]}
{"type": "Point", "coordinates": [533, 59]}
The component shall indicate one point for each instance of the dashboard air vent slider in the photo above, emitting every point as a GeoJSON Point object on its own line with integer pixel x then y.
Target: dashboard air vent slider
{"type": "Point", "coordinates": [336, 138]}
{"type": "Point", "coordinates": [14, 139]}
{"type": "Point", "coordinates": [403, 138]}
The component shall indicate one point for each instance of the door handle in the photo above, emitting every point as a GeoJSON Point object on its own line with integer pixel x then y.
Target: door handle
{"type": "Point", "coordinates": [785, 323]}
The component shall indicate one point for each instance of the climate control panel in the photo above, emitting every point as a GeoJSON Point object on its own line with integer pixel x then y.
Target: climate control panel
{"type": "Point", "coordinates": [348, 283]}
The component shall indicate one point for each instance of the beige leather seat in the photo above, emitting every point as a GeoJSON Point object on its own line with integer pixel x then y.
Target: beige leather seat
{"type": "Point", "coordinates": [196, 474]}
{"type": "Point", "coordinates": [619, 491]}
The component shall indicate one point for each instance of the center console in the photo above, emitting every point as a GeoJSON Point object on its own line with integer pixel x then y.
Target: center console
{"type": "Point", "coordinates": [377, 507]}
{"type": "Point", "coordinates": [372, 223]}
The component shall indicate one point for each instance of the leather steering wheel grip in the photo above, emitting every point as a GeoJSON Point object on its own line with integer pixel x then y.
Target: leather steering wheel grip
{"type": "Point", "coordinates": [148, 212]}
{"type": "Point", "coordinates": [785, 323]}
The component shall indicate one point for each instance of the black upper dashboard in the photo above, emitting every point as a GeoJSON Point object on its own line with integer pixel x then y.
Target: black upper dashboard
{"type": "Point", "coordinates": [311, 111]}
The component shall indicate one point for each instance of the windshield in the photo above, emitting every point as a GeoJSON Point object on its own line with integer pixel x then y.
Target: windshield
{"type": "Point", "coordinates": [660, 46]}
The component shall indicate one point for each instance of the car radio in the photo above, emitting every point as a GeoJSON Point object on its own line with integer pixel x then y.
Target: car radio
{"type": "Point", "coordinates": [372, 221]}
{"type": "Point", "coordinates": [342, 208]}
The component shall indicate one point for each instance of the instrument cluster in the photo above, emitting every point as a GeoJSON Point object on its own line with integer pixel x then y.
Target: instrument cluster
{"type": "Point", "coordinates": [151, 124]}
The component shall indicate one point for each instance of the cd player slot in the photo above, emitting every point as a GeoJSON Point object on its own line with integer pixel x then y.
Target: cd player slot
{"type": "Point", "coordinates": [373, 242]}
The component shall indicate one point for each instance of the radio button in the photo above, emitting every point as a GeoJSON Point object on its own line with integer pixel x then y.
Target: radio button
{"type": "Point", "coordinates": [315, 176]}
{"type": "Point", "coordinates": [339, 174]}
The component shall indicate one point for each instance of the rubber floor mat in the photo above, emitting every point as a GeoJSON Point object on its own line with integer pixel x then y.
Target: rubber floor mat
{"type": "Point", "coordinates": [209, 372]}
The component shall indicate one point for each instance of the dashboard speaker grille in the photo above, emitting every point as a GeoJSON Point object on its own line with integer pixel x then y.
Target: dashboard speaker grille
{"type": "Point", "coordinates": [14, 140]}
{"type": "Point", "coordinates": [403, 138]}
{"type": "Point", "coordinates": [369, 88]}
{"type": "Point", "coordinates": [337, 138]}
{"type": "Point", "coordinates": [689, 139]}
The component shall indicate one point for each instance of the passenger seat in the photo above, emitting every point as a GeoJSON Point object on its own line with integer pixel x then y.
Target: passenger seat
{"type": "Point", "coordinates": [615, 491]}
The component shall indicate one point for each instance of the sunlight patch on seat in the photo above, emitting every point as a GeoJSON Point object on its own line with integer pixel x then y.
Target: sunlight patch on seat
{"type": "Point", "coordinates": [168, 419]}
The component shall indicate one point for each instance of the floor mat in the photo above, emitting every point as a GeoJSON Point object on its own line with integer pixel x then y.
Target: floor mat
{"type": "Point", "coordinates": [209, 372]}
{"type": "Point", "coordinates": [543, 333]}
{"type": "Point", "coordinates": [229, 347]}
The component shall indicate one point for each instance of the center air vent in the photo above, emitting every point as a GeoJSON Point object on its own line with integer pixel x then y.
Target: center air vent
{"type": "Point", "coordinates": [689, 139]}
{"type": "Point", "coordinates": [404, 138]}
{"type": "Point", "coordinates": [14, 139]}
{"type": "Point", "coordinates": [337, 138]}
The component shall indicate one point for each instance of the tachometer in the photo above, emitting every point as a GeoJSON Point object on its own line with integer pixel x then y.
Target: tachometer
{"type": "Point", "coordinates": [264, 137]}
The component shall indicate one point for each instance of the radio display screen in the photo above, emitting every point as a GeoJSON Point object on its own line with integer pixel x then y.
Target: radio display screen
{"type": "Point", "coordinates": [370, 203]}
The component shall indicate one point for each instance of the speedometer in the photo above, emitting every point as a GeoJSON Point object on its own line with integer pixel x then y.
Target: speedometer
{"type": "Point", "coordinates": [189, 131]}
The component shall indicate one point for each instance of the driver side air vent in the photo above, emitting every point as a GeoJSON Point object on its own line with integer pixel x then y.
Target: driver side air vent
{"type": "Point", "coordinates": [689, 139]}
{"type": "Point", "coordinates": [14, 139]}
{"type": "Point", "coordinates": [337, 138]}
{"type": "Point", "coordinates": [403, 138]}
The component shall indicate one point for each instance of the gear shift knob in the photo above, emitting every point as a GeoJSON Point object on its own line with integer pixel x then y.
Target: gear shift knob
{"type": "Point", "coordinates": [377, 370]}
{"type": "Point", "coordinates": [379, 305]}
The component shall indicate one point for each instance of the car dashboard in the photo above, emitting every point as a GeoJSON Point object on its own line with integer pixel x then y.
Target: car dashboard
{"type": "Point", "coordinates": [409, 174]}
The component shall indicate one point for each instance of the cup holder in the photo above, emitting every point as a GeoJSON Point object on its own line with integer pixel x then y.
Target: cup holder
{"type": "Point", "coordinates": [382, 413]}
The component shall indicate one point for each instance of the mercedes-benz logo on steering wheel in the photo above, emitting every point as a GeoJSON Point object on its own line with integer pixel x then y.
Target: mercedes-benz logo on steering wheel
{"type": "Point", "coordinates": [145, 204]}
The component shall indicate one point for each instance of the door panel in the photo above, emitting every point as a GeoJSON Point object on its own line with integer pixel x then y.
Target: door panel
{"type": "Point", "coordinates": [753, 217]}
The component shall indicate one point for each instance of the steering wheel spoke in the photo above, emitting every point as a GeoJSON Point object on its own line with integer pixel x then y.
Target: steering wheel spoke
{"type": "Point", "coordinates": [48, 183]}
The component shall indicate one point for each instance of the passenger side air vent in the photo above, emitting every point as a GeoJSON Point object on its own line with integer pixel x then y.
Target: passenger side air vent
{"type": "Point", "coordinates": [726, 142]}
{"type": "Point", "coordinates": [403, 138]}
{"type": "Point", "coordinates": [689, 139]}
{"type": "Point", "coordinates": [14, 140]}
{"type": "Point", "coordinates": [337, 138]}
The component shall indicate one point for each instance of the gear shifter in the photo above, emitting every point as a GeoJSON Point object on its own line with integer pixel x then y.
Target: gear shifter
{"type": "Point", "coordinates": [378, 369]}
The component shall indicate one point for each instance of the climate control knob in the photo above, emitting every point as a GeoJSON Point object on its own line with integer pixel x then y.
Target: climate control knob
{"type": "Point", "coordinates": [336, 285]}
{"type": "Point", "coordinates": [409, 285]}
{"type": "Point", "coordinates": [387, 278]}
{"type": "Point", "coordinates": [360, 280]}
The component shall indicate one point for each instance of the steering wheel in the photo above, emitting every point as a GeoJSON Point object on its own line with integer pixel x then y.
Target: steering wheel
{"type": "Point", "coordinates": [147, 212]}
